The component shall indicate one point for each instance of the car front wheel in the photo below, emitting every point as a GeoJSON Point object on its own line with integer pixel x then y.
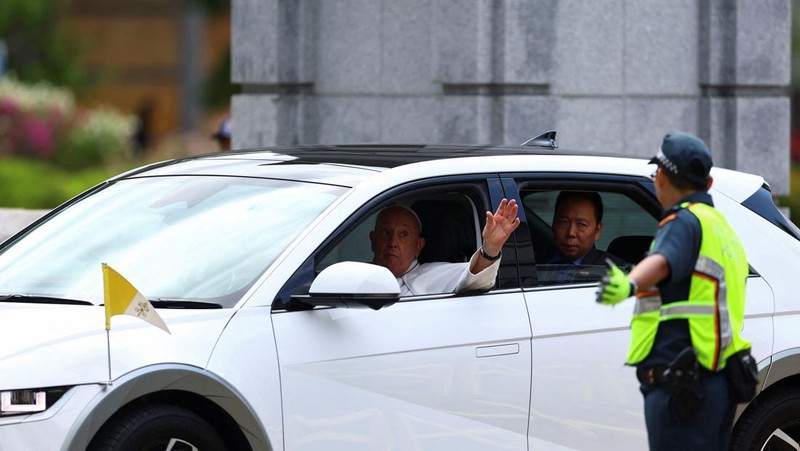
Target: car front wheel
{"type": "Point", "coordinates": [158, 427]}
{"type": "Point", "coordinates": [770, 423]}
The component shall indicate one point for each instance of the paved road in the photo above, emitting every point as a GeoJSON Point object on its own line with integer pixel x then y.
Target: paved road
{"type": "Point", "coordinates": [14, 219]}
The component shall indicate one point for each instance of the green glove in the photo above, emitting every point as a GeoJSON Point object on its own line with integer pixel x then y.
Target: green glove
{"type": "Point", "coordinates": [615, 286]}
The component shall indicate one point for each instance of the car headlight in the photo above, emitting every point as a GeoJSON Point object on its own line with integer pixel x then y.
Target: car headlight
{"type": "Point", "coordinates": [27, 401]}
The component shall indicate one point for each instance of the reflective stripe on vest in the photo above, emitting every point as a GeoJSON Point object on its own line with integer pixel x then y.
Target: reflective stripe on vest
{"type": "Point", "coordinates": [685, 309]}
{"type": "Point", "coordinates": [647, 302]}
{"type": "Point", "coordinates": [712, 324]}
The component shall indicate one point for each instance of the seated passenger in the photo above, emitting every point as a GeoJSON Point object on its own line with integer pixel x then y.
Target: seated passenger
{"type": "Point", "coordinates": [577, 224]}
{"type": "Point", "coordinates": [397, 241]}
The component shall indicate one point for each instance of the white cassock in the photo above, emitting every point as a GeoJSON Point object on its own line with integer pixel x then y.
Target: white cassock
{"type": "Point", "coordinates": [443, 277]}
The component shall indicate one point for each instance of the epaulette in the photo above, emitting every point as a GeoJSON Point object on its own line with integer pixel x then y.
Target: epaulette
{"type": "Point", "coordinates": [671, 216]}
{"type": "Point", "coordinates": [667, 219]}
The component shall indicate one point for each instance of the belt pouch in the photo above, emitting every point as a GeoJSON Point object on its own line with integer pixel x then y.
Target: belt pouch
{"type": "Point", "coordinates": [742, 375]}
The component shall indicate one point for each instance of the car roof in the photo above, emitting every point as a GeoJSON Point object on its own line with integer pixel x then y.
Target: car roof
{"type": "Point", "coordinates": [351, 164]}
{"type": "Point", "coordinates": [394, 155]}
{"type": "Point", "coordinates": [315, 163]}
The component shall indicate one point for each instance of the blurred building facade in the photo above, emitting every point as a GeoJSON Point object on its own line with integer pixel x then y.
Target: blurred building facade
{"type": "Point", "coordinates": [151, 58]}
{"type": "Point", "coordinates": [608, 75]}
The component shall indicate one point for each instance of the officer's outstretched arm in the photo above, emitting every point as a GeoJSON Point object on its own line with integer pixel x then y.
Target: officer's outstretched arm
{"type": "Point", "coordinates": [615, 286]}
{"type": "Point", "coordinates": [650, 271]}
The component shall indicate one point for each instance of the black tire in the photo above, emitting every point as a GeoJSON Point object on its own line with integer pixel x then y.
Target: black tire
{"type": "Point", "coordinates": [770, 423]}
{"type": "Point", "coordinates": [154, 428]}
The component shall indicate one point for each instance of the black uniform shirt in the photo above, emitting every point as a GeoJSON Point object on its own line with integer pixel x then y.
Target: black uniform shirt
{"type": "Point", "coordinates": [678, 240]}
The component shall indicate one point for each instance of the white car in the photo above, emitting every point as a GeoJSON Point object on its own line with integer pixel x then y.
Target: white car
{"type": "Point", "coordinates": [276, 343]}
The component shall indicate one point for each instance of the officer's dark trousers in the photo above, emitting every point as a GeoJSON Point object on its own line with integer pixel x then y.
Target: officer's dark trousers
{"type": "Point", "coordinates": [710, 428]}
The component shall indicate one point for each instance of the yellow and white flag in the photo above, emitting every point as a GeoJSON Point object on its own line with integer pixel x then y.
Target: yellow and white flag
{"type": "Point", "coordinates": [121, 298]}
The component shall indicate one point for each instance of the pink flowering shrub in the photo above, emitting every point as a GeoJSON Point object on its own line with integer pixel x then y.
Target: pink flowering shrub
{"type": "Point", "coordinates": [42, 122]}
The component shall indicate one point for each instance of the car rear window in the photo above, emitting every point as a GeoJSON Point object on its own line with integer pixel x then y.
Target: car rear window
{"type": "Point", "coordinates": [762, 204]}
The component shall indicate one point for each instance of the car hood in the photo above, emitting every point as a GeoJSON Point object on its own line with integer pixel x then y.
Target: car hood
{"type": "Point", "coordinates": [54, 345]}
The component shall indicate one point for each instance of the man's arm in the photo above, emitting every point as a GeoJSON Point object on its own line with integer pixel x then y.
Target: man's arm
{"type": "Point", "coordinates": [499, 226]}
{"type": "Point", "coordinates": [674, 253]}
{"type": "Point", "coordinates": [650, 271]}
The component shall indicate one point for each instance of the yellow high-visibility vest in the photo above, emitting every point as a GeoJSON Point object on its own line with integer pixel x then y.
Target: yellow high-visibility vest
{"type": "Point", "coordinates": [715, 308]}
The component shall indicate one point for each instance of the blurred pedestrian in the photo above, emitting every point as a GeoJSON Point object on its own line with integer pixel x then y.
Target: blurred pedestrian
{"type": "Point", "coordinates": [223, 135]}
{"type": "Point", "coordinates": [142, 136]}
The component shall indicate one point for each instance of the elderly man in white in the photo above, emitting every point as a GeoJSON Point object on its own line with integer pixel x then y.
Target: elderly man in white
{"type": "Point", "coordinates": [397, 242]}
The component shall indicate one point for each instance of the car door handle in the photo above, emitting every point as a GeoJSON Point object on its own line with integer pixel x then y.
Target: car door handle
{"type": "Point", "coordinates": [497, 350]}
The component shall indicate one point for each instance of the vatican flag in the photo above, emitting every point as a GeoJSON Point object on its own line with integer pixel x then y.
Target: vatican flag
{"type": "Point", "coordinates": [121, 298]}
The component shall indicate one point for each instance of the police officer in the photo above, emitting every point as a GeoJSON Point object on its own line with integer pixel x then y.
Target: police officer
{"type": "Point", "coordinates": [690, 308]}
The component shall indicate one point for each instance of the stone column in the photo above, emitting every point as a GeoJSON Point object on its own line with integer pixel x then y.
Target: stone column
{"type": "Point", "coordinates": [744, 72]}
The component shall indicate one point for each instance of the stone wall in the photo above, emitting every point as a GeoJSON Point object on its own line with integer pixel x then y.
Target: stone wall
{"type": "Point", "coordinates": [609, 75]}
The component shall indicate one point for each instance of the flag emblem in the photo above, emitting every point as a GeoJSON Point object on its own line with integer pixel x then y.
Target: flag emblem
{"type": "Point", "coordinates": [122, 298]}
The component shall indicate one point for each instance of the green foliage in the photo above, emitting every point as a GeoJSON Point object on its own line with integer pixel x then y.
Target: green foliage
{"type": "Point", "coordinates": [37, 48]}
{"type": "Point", "coordinates": [214, 6]}
{"type": "Point", "coordinates": [24, 13]}
{"type": "Point", "coordinates": [36, 184]}
{"type": "Point", "coordinates": [218, 89]}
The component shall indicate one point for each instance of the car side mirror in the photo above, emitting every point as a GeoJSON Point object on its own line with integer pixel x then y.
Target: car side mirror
{"type": "Point", "coordinates": [353, 285]}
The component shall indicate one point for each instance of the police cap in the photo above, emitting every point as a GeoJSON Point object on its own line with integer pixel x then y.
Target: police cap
{"type": "Point", "coordinates": [686, 156]}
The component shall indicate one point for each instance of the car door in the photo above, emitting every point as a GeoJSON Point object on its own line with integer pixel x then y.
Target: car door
{"type": "Point", "coordinates": [582, 394]}
{"type": "Point", "coordinates": [430, 372]}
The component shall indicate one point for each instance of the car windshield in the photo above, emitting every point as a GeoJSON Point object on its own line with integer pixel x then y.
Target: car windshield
{"type": "Point", "coordinates": [182, 238]}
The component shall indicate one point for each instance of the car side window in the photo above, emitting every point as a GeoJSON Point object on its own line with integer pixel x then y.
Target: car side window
{"type": "Point", "coordinates": [354, 247]}
{"type": "Point", "coordinates": [569, 247]}
{"type": "Point", "coordinates": [452, 217]}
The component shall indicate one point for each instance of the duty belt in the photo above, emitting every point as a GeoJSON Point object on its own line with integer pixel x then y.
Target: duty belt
{"type": "Point", "coordinates": [657, 375]}
{"type": "Point", "coordinates": [651, 375]}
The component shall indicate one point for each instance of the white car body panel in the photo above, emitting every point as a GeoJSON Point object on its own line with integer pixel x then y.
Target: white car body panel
{"type": "Point", "coordinates": [770, 253]}
{"type": "Point", "coordinates": [245, 357]}
{"type": "Point", "coordinates": [409, 375]}
{"type": "Point", "coordinates": [135, 343]}
{"type": "Point", "coordinates": [736, 185]}
{"type": "Point", "coordinates": [579, 354]}
{"type": "Point", "coordinates": [45, 337]}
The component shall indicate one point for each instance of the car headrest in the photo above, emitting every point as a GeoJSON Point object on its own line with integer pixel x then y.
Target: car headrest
{"type": "Point", "coordinates": [631, 248]}
{"type": "Point", "coordinates": [449, 231]}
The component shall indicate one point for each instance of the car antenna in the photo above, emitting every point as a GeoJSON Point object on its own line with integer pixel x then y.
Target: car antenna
{"type": "Point", "coordinates": [546, 139]}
